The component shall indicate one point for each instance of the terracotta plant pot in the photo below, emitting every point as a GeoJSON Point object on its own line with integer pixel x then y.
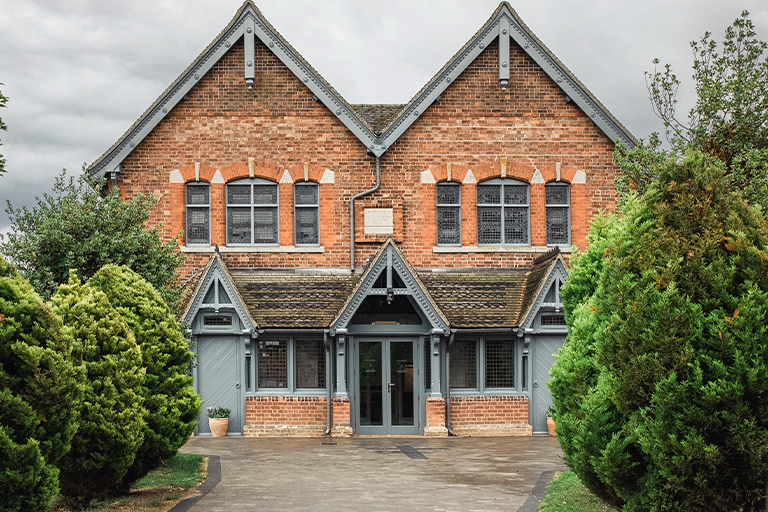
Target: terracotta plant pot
{"type": "Point", "coordinates": [551, 426]}
{"type": "Point", "coordinates": [218, 426]}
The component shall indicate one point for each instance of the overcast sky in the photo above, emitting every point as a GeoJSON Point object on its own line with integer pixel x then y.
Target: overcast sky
{"type": "Point", "coordinates": [78, 73]}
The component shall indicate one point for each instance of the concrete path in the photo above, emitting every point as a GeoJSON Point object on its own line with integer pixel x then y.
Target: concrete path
{"type": "Point", "coordinates": [375, 474]}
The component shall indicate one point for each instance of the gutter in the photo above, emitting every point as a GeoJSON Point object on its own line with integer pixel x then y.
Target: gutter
{"type": "Point", "coordinates": [328, 382]}
{"type": "Point", "coordinates": [448, 385]}
{"type": "Point", "coordinates": [352, 214]}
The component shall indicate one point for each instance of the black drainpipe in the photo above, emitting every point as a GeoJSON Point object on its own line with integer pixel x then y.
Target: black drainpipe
{"type": "Point", "coordinates": [448, 386]}
{"type": "Point", "coordinates": [352, 214]}
{"type": "Point", "coordinates": [328, 382]}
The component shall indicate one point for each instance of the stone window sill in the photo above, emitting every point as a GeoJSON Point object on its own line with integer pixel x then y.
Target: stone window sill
{"type": "Point", "coordinates": [255, 249]}
{"type": "Point", "coordinates": [494, 248]}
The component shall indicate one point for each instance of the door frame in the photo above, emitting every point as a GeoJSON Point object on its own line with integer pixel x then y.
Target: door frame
{"type": "Point", "coordinates": [200, 379]}
{"type": "Point", "coordinates": [418, 387]}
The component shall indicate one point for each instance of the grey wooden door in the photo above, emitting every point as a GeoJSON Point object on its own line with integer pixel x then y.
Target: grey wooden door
{"type": "Point", "coordinates": [385, 386]}
{"type": "Point", "coordinates": [545, 346]}
{"type": "Point", "coordinates": [220, 366]}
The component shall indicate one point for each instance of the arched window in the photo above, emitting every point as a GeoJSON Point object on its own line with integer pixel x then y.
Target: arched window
{"type": "Point", "coordinates": [198, 202]}
{"type": "Point", "coordinates": [558, 204]}
{"type": "Point", "coordinates": [448, 213]}
{"type": "Point", "coordinates": [306, 213]}
{"type": "Point", "coordinates": [252, 215]}
{"type": "Point", "coordinates": [503, 212]}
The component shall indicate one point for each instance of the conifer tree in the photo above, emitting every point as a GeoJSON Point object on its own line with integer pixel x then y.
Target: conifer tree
{"type": "Point", "coordinates": [39, 391]}
{"type": "Point", "coordinates": [661, 390]}
{"type": "Point", "coordinates": [170, 399]}
{"type": "Point", "coordinates": [111, 417]}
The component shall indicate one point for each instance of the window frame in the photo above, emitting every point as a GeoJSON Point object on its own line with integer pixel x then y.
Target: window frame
{"type": "Point", "coordinates": [297, 207]}
{"type": "Point", "coordinates": [188, 206]}
{"type": "Point", "coordinates": [439, 206]}
{"type": "Point", "coordinates": [291, 389]}
{"type": "Point", "coordinates": [504, 182]}
{"type": "Point", "coordinates": [481, 389]}
{"type": "Point", "coordinates": [566, 205]}
{"type": "Point", "coordinates": [252, 205]}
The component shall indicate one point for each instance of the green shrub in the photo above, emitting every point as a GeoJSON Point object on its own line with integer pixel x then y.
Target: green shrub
{"type": "Point", "coordinates": [661, 390]}
{"type": "Point", "coordinates": [39, 391]}
{"type": "Point", "coordinates": [169, 397]}
{"type": "Point", "coordinates": [111, 417]}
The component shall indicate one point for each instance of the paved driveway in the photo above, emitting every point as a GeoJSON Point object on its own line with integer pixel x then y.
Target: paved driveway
{"type": "Point", "coordinates": [375, 474]}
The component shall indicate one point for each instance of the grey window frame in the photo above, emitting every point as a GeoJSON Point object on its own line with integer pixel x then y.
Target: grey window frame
{"type": "Point", "coordinates": [252, 205]}
{"type": "Point", "coordinates": [189, 206]}
{"type": "Point", "coordinates": [447, 206]}
{"type": "Point", "coordinates": [297, 207]}
{"type": "Point", "coordinates": [503, 182]}
{"type": "Point", "coordinates": [480, 389]}
{"type": "Point", "coordinates": [291, 388]}
{"type": "Point", "coordinates": [566, 205]}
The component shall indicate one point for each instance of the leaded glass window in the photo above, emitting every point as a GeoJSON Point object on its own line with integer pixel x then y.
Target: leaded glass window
{"type": "Point", "coordinates": [252, 215]}
{"type": "Point", "coordinates": [198, 202]}
{"type": "Point", "coordinates": [448, 213]}
{"type": "Point", "coordinates": [558, 204]}
{"type": "Point", "coordinates": [310, 364]}
{"type": "Point", "coordinates": [463, 364]}
{"type": "Point", "coordinates": [273, 363]}
{"type": "Point", "coordinates": [499, 364]}
{"type": "Point", "coordinates": [503, 212]}
{"type": "Point", "coordinates": [307, 213]}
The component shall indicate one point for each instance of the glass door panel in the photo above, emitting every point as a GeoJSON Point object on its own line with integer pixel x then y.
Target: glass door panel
{"type": "Point", "coordinates": [371, 398]}
{"type": "Point", "coordinates": [400, 385]}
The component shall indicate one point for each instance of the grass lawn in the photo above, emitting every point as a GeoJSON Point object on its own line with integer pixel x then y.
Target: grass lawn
{"type": "Point", "coordinates": [567, 494]}
{"type": "Point", "coordinates": [161, 489]}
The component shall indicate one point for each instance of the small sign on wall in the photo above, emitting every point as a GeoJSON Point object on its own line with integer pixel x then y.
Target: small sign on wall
{"type": "Point", "coordinates": [379, 221]}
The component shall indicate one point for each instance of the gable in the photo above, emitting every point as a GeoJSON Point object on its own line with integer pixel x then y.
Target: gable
{"type": "Point", "coordinates": [376, 128]}
{"type": "Point", "coordinates": [542, 290]}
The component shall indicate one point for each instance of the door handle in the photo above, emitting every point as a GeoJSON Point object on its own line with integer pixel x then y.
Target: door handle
{"type": "Point", "coordinates": [390, 386]}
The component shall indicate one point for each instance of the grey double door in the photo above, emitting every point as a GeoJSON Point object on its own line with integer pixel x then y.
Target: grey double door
{"type": "Point", "coordinates": [385, 386]}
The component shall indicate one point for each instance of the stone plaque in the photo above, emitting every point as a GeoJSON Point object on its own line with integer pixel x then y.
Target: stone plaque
{"type": "Point", "coordinates": [379, 221]}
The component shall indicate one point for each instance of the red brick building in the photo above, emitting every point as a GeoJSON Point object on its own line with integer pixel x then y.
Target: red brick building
{"type": "Point", "coordinates": [373, 269]}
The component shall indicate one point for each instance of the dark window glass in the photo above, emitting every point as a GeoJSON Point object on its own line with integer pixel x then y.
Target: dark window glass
{"type": "Point", "coordinates": [375, 310]}
{"type": "Point", "coordinates": [198, 230]}
{"type": "Point", "coordinates": [499, 364]}
{"type": "Point", "coordinates": [273, 363]}
{"type": "Point", "coordinates": [307, 213]}
{"type": "Point", "coordinates": [448, 214]}
{"type": "Point", "coordinates": [252, 215]}
{"type": "Point", "coordinates": [503, 213]}
{"type": "Point", "coordinates": [463, 364]}
{"type": "Point", "coordinates": [552, 320]}
{"type": "Point", "coordinates": [310, 364]}
{"type": "Point", "coordinates": [558, 214]}
{"type": "Point", "coordinates": [217, 321]}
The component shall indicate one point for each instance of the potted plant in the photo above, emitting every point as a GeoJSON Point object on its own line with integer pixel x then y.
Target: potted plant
{"type": "Point", "coordinates": [218, 420]}
{"type": "Point", "coordinates": [551, 421]}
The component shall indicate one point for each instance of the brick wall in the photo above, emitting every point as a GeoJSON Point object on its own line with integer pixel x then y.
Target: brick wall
{"type": "Point", "coordinates": [294, 416]}
{"type": "Point", "coordinates": [490, 416]}
{"type": "Point", "coordinates": [527, 132]}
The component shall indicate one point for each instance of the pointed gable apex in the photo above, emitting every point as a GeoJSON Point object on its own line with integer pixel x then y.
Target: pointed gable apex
{"type": "Point", "coordinates": [389, 255]}
{"type": "Point", "coordinates": [547, 269]}
{"type": "Point", "coordinates": [505, 23]}
{"type": "Point", "coordinates": [216, 290]}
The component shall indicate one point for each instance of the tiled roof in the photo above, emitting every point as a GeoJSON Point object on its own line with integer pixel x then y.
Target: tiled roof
{"type": "Point", "coordinates": [284, 299]}
{"type": "Point", "coordinates": [378, 117]}
{"type": "Point", "coordinates": [542, 267]}
{"type": "Point", "coordinates": [477, 299]}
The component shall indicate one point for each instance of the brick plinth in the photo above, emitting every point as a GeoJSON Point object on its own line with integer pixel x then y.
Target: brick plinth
{"type": "Point", "coordinates": [435, 418]}
{"type": "Point", "coordinates": [490, 416]}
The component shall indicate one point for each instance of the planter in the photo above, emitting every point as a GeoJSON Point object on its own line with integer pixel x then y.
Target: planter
{"type": "Point", "coordinates": [551, 426]}
{"type": "Point", "coordinates": [218, 426]}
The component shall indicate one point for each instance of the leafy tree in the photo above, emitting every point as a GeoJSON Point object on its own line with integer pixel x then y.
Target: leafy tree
{"type": "Point", "coordinates": [661, 389]}
{"type": "Point", "coordinates": [4, 127]}
{"type": "Point", "coordinates": [39, 391]}
{"type": "Point", "coordinates": [168, 394]}
{"type": "Point", "coordinates": [729, 120]}
{"type": "Point", "coordinates": [111, 417]}
{"type": "Point", "coordinates": [78, 228]}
